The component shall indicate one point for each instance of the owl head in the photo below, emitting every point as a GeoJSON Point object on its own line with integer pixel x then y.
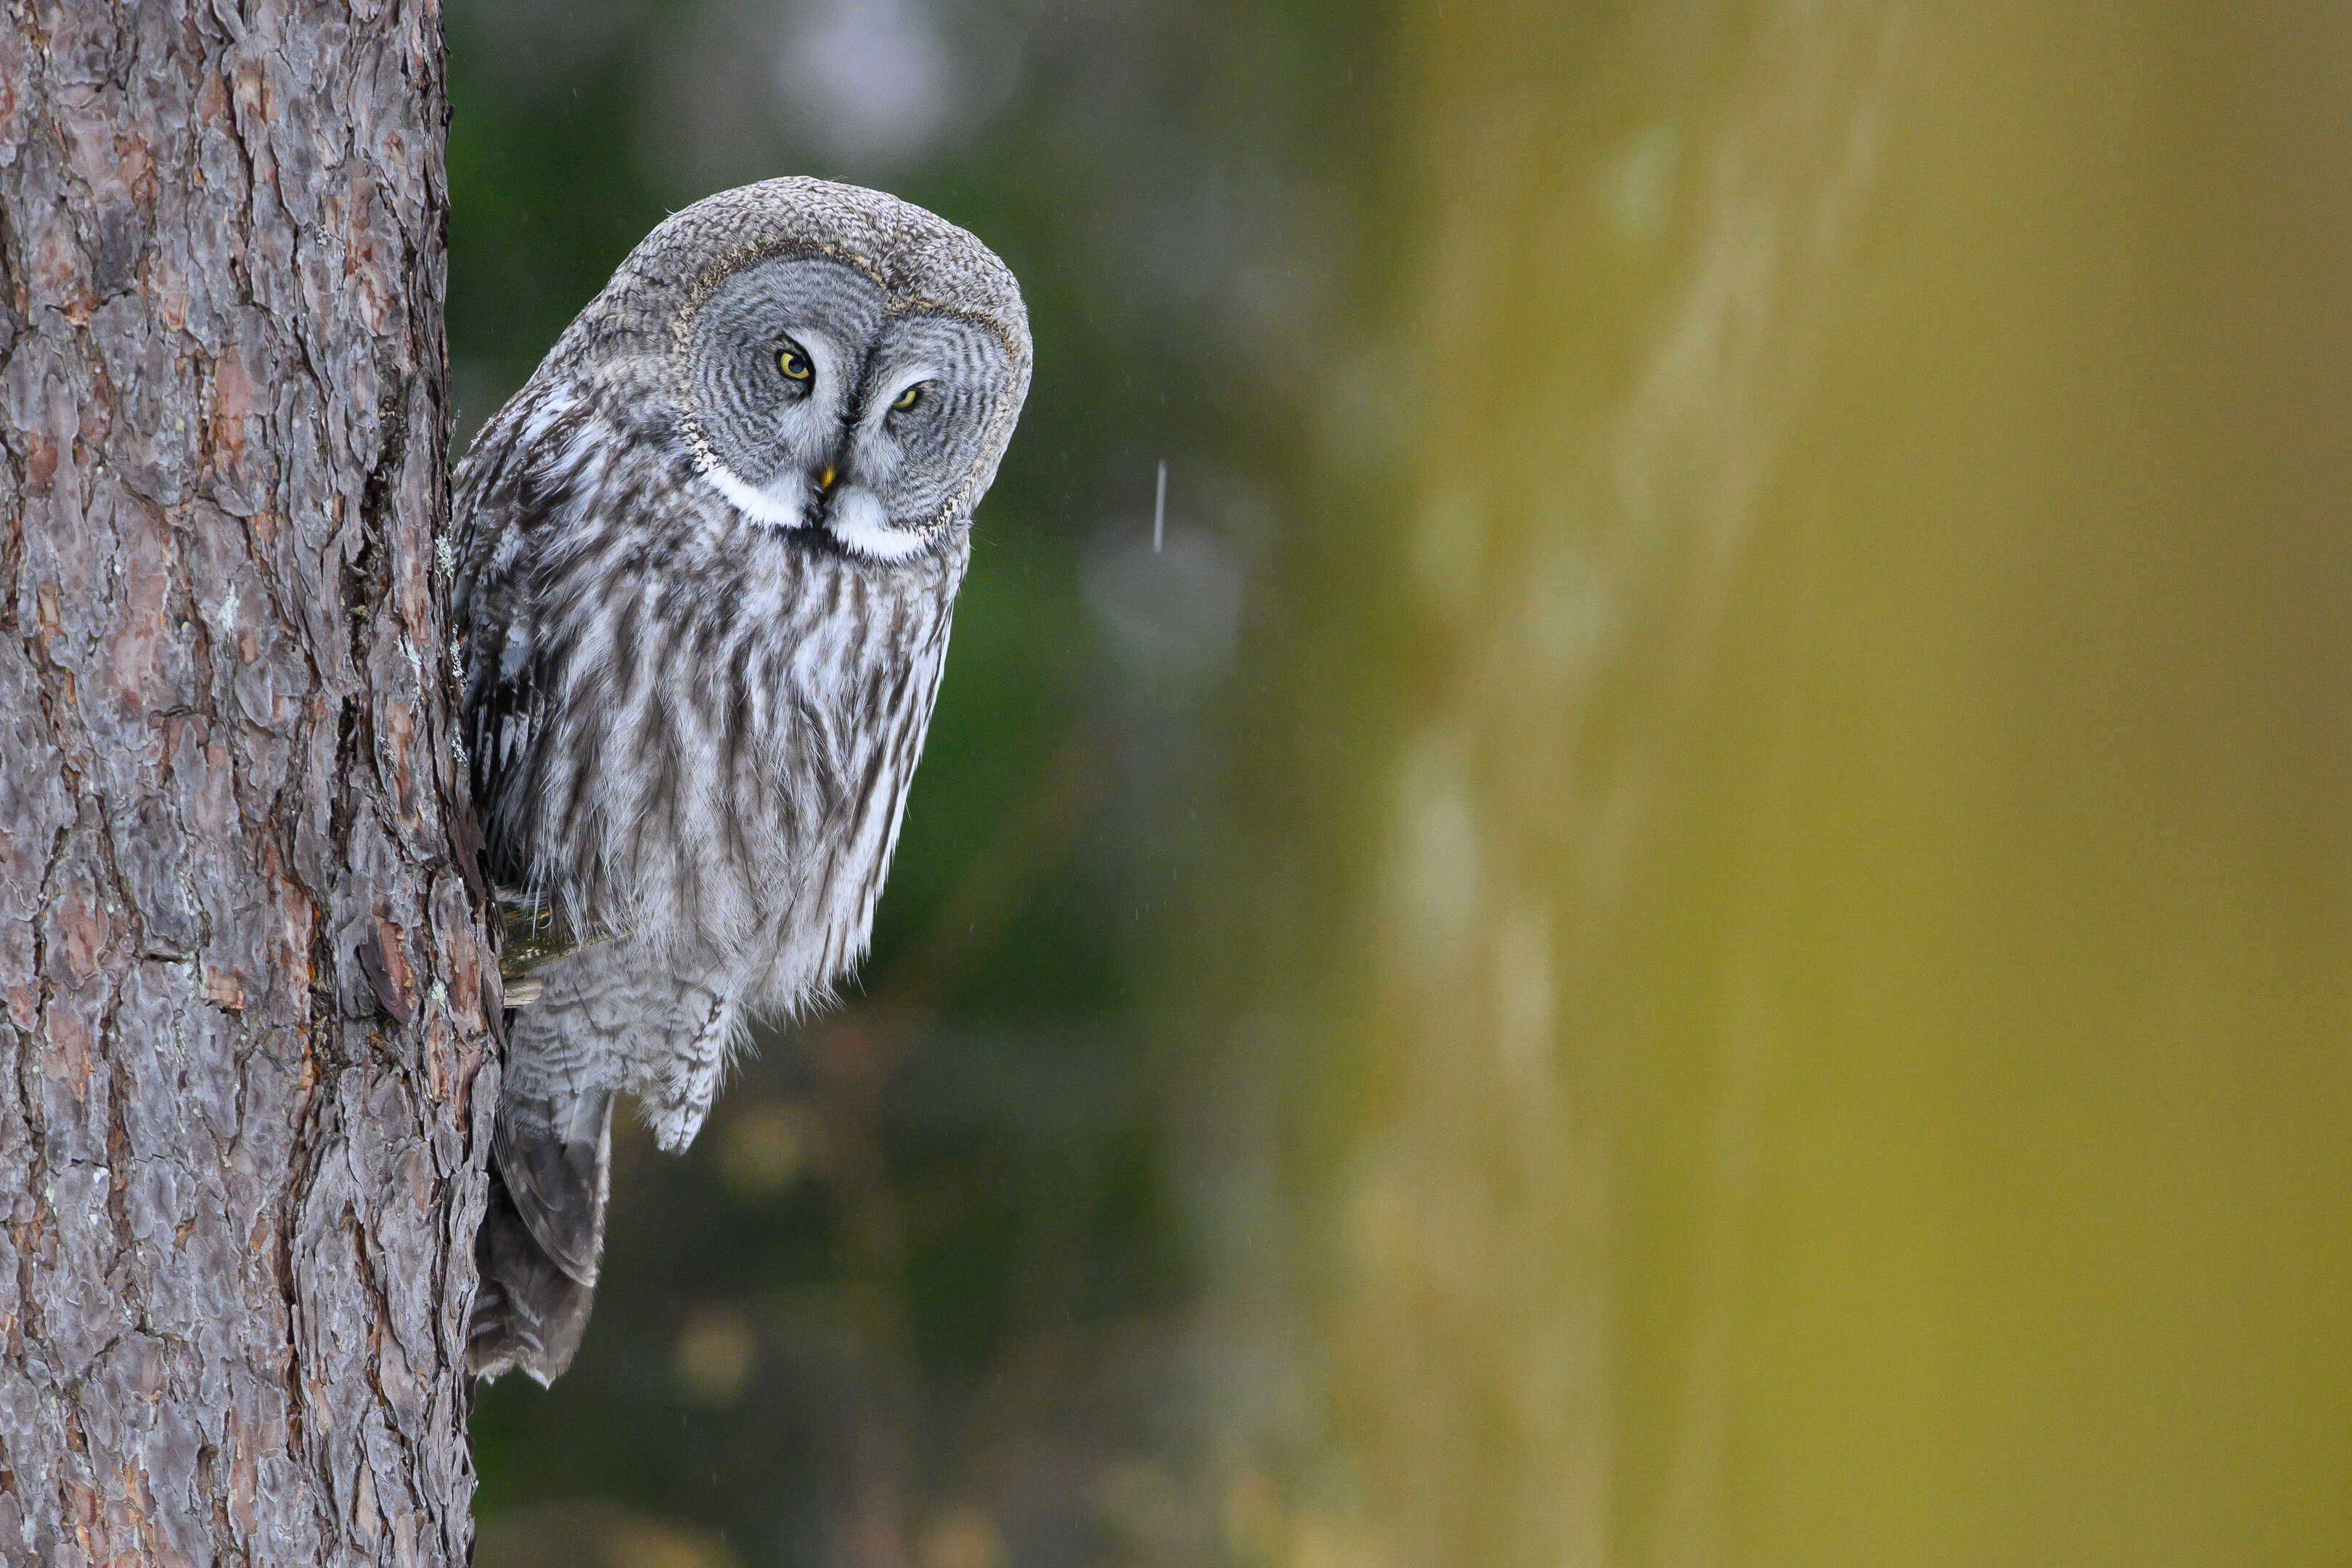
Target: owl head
{"type": "Point", "coordinates": [834, 361]}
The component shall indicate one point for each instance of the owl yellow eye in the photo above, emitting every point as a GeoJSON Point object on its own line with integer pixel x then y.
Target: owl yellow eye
{"type": "Point", "coordinates": [908, 398]}
{"type": "Point", "coordinates": [794, 364]}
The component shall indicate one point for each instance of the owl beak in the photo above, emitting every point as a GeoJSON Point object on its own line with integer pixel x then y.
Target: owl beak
{"type": "Point", "coordinates": [825, 480]}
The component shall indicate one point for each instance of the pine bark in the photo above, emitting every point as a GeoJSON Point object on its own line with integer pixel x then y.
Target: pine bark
{"type": "Point", "coordinates": [243, 977]}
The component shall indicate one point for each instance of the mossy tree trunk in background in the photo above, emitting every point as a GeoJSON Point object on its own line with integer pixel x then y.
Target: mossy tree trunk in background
{"type": "Point", "coordinates": [1613, 308]}
{"type": "Point", "coordinates": [242, 977]}
{"type": "Point", "coordinates": [1830, 1036]}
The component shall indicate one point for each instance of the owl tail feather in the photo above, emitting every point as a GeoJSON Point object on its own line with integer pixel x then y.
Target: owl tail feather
{"type": "Point", "coordinates": [541, 1238]}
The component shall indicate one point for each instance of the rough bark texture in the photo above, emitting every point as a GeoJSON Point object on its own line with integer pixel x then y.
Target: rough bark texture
{"type": "Point", "coordinates": [241, 1105]}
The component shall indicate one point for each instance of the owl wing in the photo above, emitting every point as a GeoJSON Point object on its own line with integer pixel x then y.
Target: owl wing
{"type": "Point", "coordinates": [510, 492]}
{"type": "Point", "coordinates": [539, 1244]}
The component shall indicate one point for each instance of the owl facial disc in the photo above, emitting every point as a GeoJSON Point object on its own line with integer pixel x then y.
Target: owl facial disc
{"type": "Point", "coordinates": [821, 402]}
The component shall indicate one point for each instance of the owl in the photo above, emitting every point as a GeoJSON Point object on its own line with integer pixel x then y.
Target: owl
{"type": "Point", "coordinates": [704, 563]}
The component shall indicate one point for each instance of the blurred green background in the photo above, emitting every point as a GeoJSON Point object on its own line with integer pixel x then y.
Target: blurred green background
{"type": "Point", "coordinates": [1702, 911]}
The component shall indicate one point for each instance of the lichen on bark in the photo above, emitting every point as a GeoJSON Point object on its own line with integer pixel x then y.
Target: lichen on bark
{"type": "Point", "coordinates": [246, 997]}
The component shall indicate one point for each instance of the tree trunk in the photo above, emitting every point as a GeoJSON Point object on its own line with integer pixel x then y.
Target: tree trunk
{"type": "Point", "coordinates": [242, 976]}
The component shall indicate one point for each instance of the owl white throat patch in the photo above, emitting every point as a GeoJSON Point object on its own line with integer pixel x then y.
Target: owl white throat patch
{"type": "Point", "coordinates": [855, 518]}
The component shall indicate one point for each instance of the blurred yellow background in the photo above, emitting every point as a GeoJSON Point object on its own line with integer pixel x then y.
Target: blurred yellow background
{"type": "Point", "coordinates": [1702, 913]}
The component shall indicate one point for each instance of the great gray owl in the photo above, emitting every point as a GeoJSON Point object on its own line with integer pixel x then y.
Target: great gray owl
{"type": "Point", "coordinates": [704, 563]}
